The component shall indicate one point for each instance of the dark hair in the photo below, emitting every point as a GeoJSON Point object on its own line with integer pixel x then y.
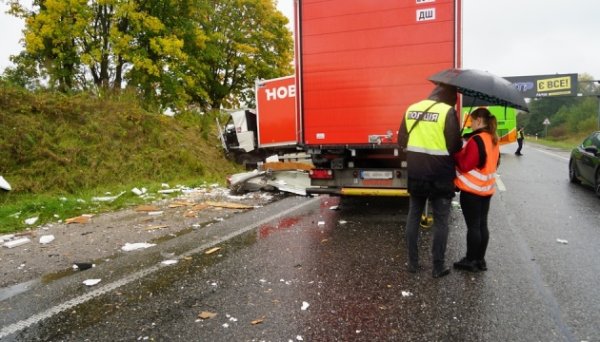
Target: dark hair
{"type": "Point", "coordinates": [444, 93]}
{"type": "Point", "coordinates": [489, 120]}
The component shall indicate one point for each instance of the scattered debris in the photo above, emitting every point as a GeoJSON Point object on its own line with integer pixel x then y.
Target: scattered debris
{"type": "Point", "coordinates": [334, 207]}
{"type": "Point", "coordinates": [178, 204]}
{"type": "Point", "coordinates": [82, 266]}
{"type": "Point", "coordinates": [169, 262]}
{"type": "Point", "coordinates": [212, 250]}
{"type": "Point", "coordinates": [45, 239]}
{"type": "Point", "coordinates": [257, 321]}
{"type": "Point", "coordinates": [228, 205]}
{"type": "Point", "coordinates": [155, 213]}
{"type": "Point", "coordinates": [85, 218]}
{"type": "Point", "coordinates": [147, 207]}
{"type": "Point", "coordinates": [564, 242]}
{"type": "Point", "coordinates": [305, 306]}
{"type": "Point", "coordinates": [199, 207]}
{"type": "Point", "coordinates": [134, 246]}
{"type": "Point", "coordinates": [31, 220]}
{"type": "Point", "coordinates": [406, 294]}
{"type": "Point", "coordinates": [16, 243]}
{"type": "Point", "coordinates": [7, 237]}
{"type": "Point", "coordinates": [107, 198]}
{"type": "Point", "coordinates": [139, 192]}
{"type": "Point", "coordinates": [4, 184]}
{"type": "Point", "coordinates": [156, 227]}
{"type": "Point", "coordinates": [91, 282]}
{"type": "Point", "coordinates": [342, 221]}
{"type": "Point", "coordinates": [321, 223]}
{"type": "Point", "coordinates": [168, 191]}
{"type": "Point", "coordinates": [206, 315]}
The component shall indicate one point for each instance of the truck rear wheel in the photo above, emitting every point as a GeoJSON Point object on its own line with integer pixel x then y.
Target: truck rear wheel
{"type": "Point", "coordinates": [249, 161]}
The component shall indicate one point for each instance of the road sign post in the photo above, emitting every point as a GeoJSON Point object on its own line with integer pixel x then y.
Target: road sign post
{"type": "Point", "coordinates": [546, 123]}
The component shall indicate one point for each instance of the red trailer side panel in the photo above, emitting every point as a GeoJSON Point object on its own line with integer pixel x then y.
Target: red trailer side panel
{"type": "Point", "coordinates": [363, 62]}
{"type": "Point", "coordinates": [276, 107]}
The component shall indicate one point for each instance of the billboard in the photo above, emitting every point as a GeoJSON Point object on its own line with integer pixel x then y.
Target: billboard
{"type": "Point", "coordinates": [546, 85]}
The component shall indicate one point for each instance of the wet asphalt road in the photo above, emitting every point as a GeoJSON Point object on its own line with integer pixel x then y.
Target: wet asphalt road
{"type": "Point", "coordinates": [347, 267]}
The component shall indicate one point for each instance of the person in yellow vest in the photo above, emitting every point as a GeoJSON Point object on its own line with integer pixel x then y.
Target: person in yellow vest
{"type": "Point", "coordinates": [476, 165]}
{"type": "Point", "coordinates": [430, 136]}
{"type": "Point", "coordinates": [520, 138]}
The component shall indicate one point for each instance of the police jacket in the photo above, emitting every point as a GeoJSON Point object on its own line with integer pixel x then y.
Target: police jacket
{"type": "Point", "coordinates": [432, 142]}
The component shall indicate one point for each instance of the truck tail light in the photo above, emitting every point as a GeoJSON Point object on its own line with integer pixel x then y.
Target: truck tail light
{"type": "Point", "coordinates": [321, 174]}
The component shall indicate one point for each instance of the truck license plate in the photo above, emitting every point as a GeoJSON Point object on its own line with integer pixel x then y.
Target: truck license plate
{"type": "Point", "coordinates": [376, 175]}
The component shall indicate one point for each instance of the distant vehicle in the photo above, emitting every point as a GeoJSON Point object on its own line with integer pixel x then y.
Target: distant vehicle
{"type": "Point", "coordinates": [506, 118]}
{"type": "Point", "coordinates": [584, 165]}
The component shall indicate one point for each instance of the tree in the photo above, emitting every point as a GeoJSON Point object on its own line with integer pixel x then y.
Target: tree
{"type": "Point", "coordinates": [247, 39]}
{"type": "Point", "coordinates": [172, 52]}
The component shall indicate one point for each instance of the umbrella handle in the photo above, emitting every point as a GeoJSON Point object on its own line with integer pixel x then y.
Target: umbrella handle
{"type": "Point", "coordinates": [466, 117]}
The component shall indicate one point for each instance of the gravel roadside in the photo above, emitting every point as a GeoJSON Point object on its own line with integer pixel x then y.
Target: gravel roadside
{"type": "Point", "coordinates": [103, 237]}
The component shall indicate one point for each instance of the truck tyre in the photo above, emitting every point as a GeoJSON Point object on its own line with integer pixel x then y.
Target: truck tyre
{"type": "Point", "coordinates": [249, 161]}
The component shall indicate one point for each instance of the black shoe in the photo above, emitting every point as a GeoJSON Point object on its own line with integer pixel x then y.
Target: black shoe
{"type": "Point", "coordinates": [481, 265]}
{"type": "Point", "coordinates": [412, 268]}
{"type": "Point", "coordinates": [467, 265]}
{"type": "Point", "coordinates": [519, 153]}
{"type": "Point", "coordinates": [440, 272]}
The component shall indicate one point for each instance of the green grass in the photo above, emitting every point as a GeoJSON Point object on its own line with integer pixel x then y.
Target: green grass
{"type": "Point", "coordinates": [59, 151]}
{"type": "Point", "coordinates": [566, 143]}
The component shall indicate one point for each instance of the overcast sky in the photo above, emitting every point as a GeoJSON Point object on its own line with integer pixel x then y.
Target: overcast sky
{"type": "Point", "coordinates": [504, 37]}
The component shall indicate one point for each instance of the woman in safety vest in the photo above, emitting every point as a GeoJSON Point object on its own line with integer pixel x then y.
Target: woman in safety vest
{"type": "Point", "coordinates": [476, 165]}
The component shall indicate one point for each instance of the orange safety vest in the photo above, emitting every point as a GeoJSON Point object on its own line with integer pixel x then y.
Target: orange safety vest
{"type": "Point", "coordinates": [481, 181]}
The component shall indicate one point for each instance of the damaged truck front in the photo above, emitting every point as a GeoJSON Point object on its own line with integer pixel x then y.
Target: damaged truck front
{"type": "Point", "coordinates": [252, 135]}
{"type": "Point", "coordinates": [359, 65]}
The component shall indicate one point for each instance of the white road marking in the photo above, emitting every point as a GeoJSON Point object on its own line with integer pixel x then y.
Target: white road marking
{"type": "Point", "coordinates": [552, 154]}
{"type": "Point", "coordinates": [499, 184]}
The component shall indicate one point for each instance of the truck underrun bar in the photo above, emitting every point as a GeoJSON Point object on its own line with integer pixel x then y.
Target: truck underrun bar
{"type": "Point", "coordinates": [358, 192]}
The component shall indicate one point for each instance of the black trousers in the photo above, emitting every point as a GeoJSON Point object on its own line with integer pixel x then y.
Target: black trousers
{"type": "Point", "coordinates": [475, 209]}
{"type": "Point", "coordinates": [520, 142]}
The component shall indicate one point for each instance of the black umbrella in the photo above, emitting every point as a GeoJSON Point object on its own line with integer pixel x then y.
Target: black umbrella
{"type": "Point", "coordinates": [483, 86]}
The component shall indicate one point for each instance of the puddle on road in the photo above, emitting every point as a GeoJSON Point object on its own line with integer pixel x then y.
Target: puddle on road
{"type": "Point", "coordinates": [14, 290]}
{"type": "Point", "coordinates": [134, 294]}
{"type": "Point", "coordinates": [47, 278]}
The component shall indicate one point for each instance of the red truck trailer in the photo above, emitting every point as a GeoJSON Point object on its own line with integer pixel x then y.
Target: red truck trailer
{"type": "Point", "coordinates": [359, 65]}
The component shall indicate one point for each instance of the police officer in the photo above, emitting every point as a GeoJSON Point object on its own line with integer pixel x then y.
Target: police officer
{"type": "Point", "coordinates": [520, 138]}
{"type": "Point", "coordinates": [430, 135]}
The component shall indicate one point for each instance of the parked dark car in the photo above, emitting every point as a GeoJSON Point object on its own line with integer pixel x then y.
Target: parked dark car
{"type": "Point", "coordinates": [584, 165]}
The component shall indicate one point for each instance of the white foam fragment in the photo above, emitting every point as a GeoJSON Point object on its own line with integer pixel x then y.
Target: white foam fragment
{"type": "Point", "coordinates": [44, 239]}
{"type": "Point", "coordinates": [16, 243]}
{"type": "Point", "coordinates": [564, 242]}
{"type": "Point", "coordinates": [134, 246]}
{"type": "Point", "coordinates": [7, 237]}
{"type": "Point", "coordinates": [406, 294]}
{"type": "Point", "coordinates": [305, 306]}
{"type": "Point", "coordinates": [169, 262]}
{"type": "Point", "coordinates": [31, 220]}
{"type": "Point", "coordinates": [91, 282]}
